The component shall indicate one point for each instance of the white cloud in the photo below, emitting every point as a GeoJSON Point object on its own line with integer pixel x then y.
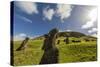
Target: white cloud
{"type": "Point", "coordinates": [94, 35]}
{"type": "Point", "coordinates": [25, 19]}
{"type": "Point", "coordinates": [93, 30]}
{"type": "Point", "coordinates": [22, 35]}
{"type": "Point", "coordinates": [92, 16]}
{"type": "Point", "coordinates": [27, 7]}
{"type": "Point", "coordinates": [61, 30]}
{"type": "Point", "coordinates": [19, 37]}
{"type": "Point", "coordinates": [63, 11]}
{"type": "Point", "coordinates": [36, 36]}
{"type": "Point", "coordinates": [68, 30]}
{"type": "Point", "coordinates": [48, 13]}
{"type": "Point", "coordinates": [88, 25]}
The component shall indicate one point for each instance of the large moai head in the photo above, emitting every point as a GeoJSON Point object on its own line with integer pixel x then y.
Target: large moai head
{"type": "Point", "coordinates": [50, 39]}
{"type": "Point", "coordinates": [27, 38]}
{"type": "Point", "coordinates": [53, 36]}
{"type": "Point", "coordinates": [53, 32]}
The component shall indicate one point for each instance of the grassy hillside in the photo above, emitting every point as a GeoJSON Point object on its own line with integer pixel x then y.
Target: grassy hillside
{"type": "Point", "coordinates": [72, 52]}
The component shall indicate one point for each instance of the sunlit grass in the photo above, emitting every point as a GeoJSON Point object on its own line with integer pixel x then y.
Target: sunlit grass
{"type": "Point", "coordinates": [72, 52]}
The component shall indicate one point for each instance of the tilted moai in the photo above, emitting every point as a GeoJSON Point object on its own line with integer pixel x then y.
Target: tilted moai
{"type": "Point", "coordinates": [50, 55]}
{"type": "Point", "coordinates": [23, 44]}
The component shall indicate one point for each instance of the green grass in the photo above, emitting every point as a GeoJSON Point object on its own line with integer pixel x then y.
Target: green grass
{"type": "Point", "coordinates": [72, 52]}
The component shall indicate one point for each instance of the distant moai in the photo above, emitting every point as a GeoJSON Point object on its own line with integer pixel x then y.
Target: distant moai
{"type": "Point", "coordinates": [76, 41]}
{"type": "Point", "coordinates": [58, 42]}
{"type": "Point", "coordinates": [67, 40]}
{"type": "Point", "coordinates": [23, 44]}
{"type": "Point", "coordinates": [51, 52]}
{"type": "Point", "coordinates": [87, 40]}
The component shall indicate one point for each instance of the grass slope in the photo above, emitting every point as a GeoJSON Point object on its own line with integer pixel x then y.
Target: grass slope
{"type": "Point", "coordinates": [72, 52]}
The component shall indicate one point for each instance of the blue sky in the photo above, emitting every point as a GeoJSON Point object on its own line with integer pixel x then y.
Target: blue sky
{"type": "Point", "coordinates": [34, 19]}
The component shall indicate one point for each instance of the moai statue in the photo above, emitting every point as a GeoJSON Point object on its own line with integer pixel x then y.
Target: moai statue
{"type": "Point", "coordinates": [64, 40]}
{"type": "Point", "coordinates": [67, 40]}
{"type": "Point", "coordinates": [23, 44]}
{"type": "Point", "coordinates": [53, 36]}
{"type": "Point", "coordinates": [58, 42]}
{"type": "Point", "coordinates": [50, 55]}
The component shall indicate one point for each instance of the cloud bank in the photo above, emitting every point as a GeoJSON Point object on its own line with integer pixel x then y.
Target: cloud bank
{"type": "Point", "coordinates": [94, 35]}
{"type": "Point", "coordinates": [93, 30]}
{"type": "Point", "coordinates": [48, 13]}
{"type": "Point", "coordinates": [63, 11]}
{"type": "Point", "coordinates": [92, 19]}
{"type": "Point", "coordinates": [20, 36]}
{"type": "Point", "coordinates": [27, 7]}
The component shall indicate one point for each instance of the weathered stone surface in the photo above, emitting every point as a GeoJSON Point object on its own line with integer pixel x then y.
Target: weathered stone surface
{"type": "Point", "coordinates": [51, 52]}
{"type": "Point", "coordinates": [23, 44]}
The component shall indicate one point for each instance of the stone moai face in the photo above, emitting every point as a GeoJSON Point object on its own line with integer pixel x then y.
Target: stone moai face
{"type": "Point", "coordinates": [50, 50]}
{"type": "Point", "coordinates": [50, 39]}
{"type": "Point", "coordinates": [53, 32]}
{"type": "Point", "coordinates": [53, 36]}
